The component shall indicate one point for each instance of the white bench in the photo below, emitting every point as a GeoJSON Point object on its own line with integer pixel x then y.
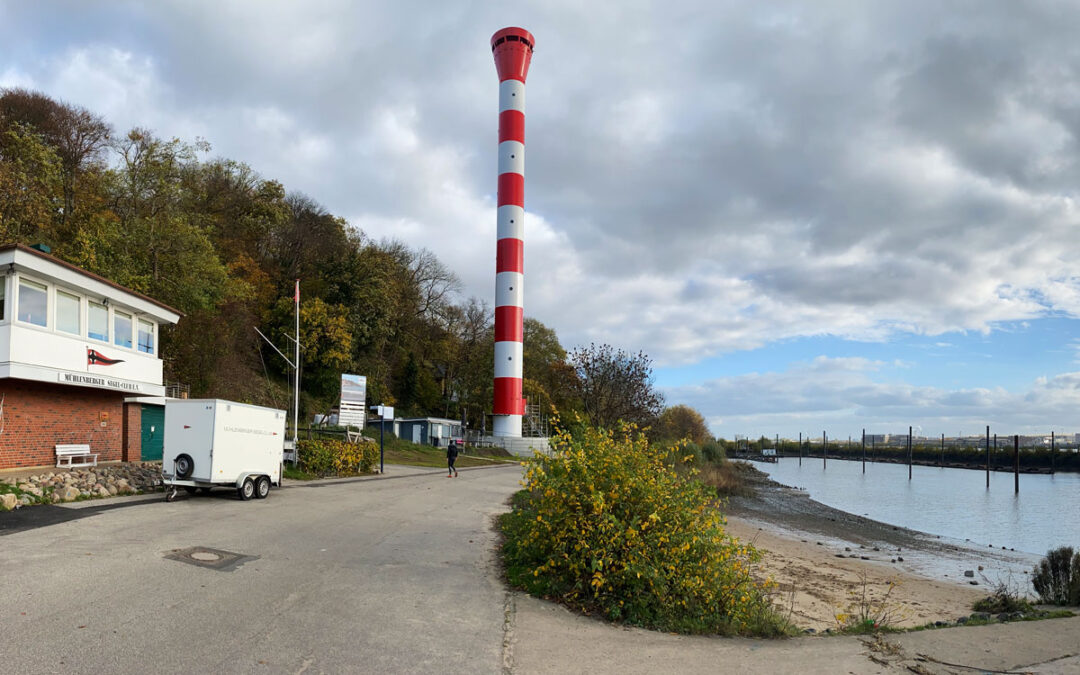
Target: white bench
{"type": "Point", "coordinates": [77, 451]}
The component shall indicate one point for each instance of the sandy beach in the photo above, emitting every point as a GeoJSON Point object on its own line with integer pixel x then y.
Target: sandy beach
{"type": "Point", "coordinates": [822, 558]}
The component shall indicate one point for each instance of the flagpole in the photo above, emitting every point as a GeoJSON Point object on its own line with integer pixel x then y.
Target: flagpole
{"type": "Point", "coordinates": [296, 370]}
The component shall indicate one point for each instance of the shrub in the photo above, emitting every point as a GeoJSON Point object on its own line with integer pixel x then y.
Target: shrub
{"type": "Point", "coordinates": [1004, 598]}
{"type": "Point", "coordinates": [606, 525]}
{"type": "Point", "coordinates": [329, 457]}
{"type": "Point", "coordinates": [1057, 577]}
{"type": "Point", "coordinates": [713, 452]}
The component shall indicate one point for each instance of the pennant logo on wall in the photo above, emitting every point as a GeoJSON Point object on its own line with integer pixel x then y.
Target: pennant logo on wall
{"type": "Point", "coordinates": [94, 358]}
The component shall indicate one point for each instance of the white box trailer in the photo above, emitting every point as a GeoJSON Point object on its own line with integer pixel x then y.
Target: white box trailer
{"type": "Point", "coordinates": [215, 443]}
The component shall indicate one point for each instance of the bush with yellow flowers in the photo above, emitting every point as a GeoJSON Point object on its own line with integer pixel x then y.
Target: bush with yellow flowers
{"type": "Point", "coordinates": [607, 526]}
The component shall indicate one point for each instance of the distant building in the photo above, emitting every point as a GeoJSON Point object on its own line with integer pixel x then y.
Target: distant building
{"type": "Point", "coordinates": [436, 431]}
{"type": "Point", "coordinates": [73, 345]}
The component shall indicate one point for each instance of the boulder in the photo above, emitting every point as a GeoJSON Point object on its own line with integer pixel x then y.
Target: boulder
{"type": "Point", "coordinates": [8, 501]}
{"type": "Point", "coordinates": [32, 489]}
{"type": "Point", "coordinates": [66, 493]}
{"type": "Point", "coordinates": [101, 491]}
{"type": "Point", "coordinates": [25, 500]}
{"type": "Point", "coordinates": [969, 573]}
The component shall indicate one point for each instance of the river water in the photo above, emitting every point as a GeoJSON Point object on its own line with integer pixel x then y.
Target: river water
{"type": "Point", "coordinates": [952, 503]}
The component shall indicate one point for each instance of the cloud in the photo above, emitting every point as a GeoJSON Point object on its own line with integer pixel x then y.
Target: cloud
{"type": "Point", "coordinates": [700, 180]}
{"type": "Point", "coordinates": [843, 396]}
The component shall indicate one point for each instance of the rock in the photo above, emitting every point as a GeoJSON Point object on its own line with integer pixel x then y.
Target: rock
{"type": "Point", "coordinates": [962, 620]}
{"type": "Point", "coordinates": [111, 489]}
{"type": "Point", "coordinates": [1016, 616]}
{"type": "Point", "coordinates": [32, 489]}
{"type": "Point", "coordinates": [893, 560]}
{"type": "Point", "coordinates": [101, 491]}
{"type": "Point", "coordinates": [53, 497]}
{"type": "Point", "coordinates": [7, 501]}
{"type": "Point", "coordinates": [865, 557]}
{"type": "Point", "coordinates": [66, 493]}
{"type": "Point", "coordinates": [809, 631]}
{"type": "Point", "coordinates": [900, 558]}
{"type": "Point", "coordinates": [974, 583]}
{"type": "Point", "coordinates": [840, 555]}
{"type": "Point", "coordinates": [980, 569]}
{"type": "Point", "coordinates": [1004, 616]}
{"type": "Point", "coordinates": [847, 548]}
{"type": "Point", "coordinates": [25, 500]}
{"type": "Point", "coordinates": [980, 616]}
{"type": "Point", "coordinates": [820, 544]}
{"type": "Point", "coordinates": [970, 573]}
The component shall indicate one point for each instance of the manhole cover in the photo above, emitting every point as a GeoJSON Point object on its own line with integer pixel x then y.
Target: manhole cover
{"type": "Point", "coordinates": [210, 558]}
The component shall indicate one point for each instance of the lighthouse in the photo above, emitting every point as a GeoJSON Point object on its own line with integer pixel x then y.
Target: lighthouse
{"type": "Point", "coordinates": [512, 49]}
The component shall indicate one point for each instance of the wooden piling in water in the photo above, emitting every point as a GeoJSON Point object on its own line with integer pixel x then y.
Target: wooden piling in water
{"type": "Point", "coordinates": [987, 456]}
{"type": "Point", "coordinates": [800, 448]}
{"type": "Point", "coordinates": [909, 453]}
{"type": "Point", "coordinates": [942, 450]}
{"type": "Point", "coordinates": [1016, 463]}
{"type": "Point", "coordinates": [864, 450]}
{"type": "Point", "coordinates": [1053, 451]}
{"type": "Point", "coordinates": [824, 450]}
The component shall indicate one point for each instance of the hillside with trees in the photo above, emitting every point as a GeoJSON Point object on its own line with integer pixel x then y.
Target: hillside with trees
{"type": "Point", "coordinates": [224, 245]}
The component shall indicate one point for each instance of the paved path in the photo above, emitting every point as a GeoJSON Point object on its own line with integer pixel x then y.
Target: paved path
{"type": "Point", "coordinates": [391, 574]}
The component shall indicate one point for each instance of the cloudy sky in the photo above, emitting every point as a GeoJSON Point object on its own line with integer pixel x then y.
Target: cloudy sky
{"type": "Point", "coordinates": [811, 215]}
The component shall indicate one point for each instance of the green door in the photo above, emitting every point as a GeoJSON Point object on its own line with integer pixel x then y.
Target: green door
{"type": "Point", "coordinates": [153, 432]}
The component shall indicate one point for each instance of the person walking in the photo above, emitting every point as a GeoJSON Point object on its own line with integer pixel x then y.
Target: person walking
{"type": "Point", "coordinates": [451, 457]}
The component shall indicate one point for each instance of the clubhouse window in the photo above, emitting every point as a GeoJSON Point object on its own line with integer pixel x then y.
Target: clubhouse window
{"type": "Point", "coordinates": [122, 329]}
{"type": "Point", "coordinates": [67, 313]}
{"type": "Point", "coordinates": [146, 337]}
{"type": "Point", "coordinates": [97, 317]}
{"type": "Point", "coordinates": [33, 303]}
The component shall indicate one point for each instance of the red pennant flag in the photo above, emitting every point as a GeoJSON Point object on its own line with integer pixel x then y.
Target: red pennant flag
{"type": "Point", "coordinates": [296, 295]}
{"type": "Point", "coordinates": [95, 358]}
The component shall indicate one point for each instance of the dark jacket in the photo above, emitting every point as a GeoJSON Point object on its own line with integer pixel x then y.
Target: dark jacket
{"type": "Point", "coordinates": [452, 451]}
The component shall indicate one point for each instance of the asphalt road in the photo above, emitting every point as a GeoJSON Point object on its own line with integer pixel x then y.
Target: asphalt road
{"type": "Point", "coordinates": [395, 574]}
{"type": "Point", "coordinates": [365, 576]}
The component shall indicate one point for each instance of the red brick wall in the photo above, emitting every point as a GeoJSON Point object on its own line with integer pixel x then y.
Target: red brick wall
{"type": "Point", "coordinates": [39, 415]}
{"type": "Point", "coordinates": [132, 432]}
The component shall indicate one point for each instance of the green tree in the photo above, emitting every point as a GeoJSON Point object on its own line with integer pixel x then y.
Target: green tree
{"type": "Point", "coordinates": [30, 184]}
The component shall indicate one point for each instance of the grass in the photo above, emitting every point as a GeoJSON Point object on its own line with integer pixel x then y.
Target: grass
{"type": "Point", "coordinates": [729, 479]}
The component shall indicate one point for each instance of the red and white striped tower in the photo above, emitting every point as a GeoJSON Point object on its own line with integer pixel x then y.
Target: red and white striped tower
{"type": "Point", "coordinates": [512, 48]}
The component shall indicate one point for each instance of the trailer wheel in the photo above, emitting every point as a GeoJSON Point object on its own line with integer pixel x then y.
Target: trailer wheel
{"type": "Point", "coordinates": [246, 489]}
{"type": "Point", "coordinates": [184, 466]}
{"type": "Point", "coordinates": [262, 487]}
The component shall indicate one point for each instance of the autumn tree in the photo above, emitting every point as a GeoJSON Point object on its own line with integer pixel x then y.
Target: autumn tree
{"type": "Point", "coordinates": [615, 386]}
{"type": "Point", "coordinates": [681, 421]}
